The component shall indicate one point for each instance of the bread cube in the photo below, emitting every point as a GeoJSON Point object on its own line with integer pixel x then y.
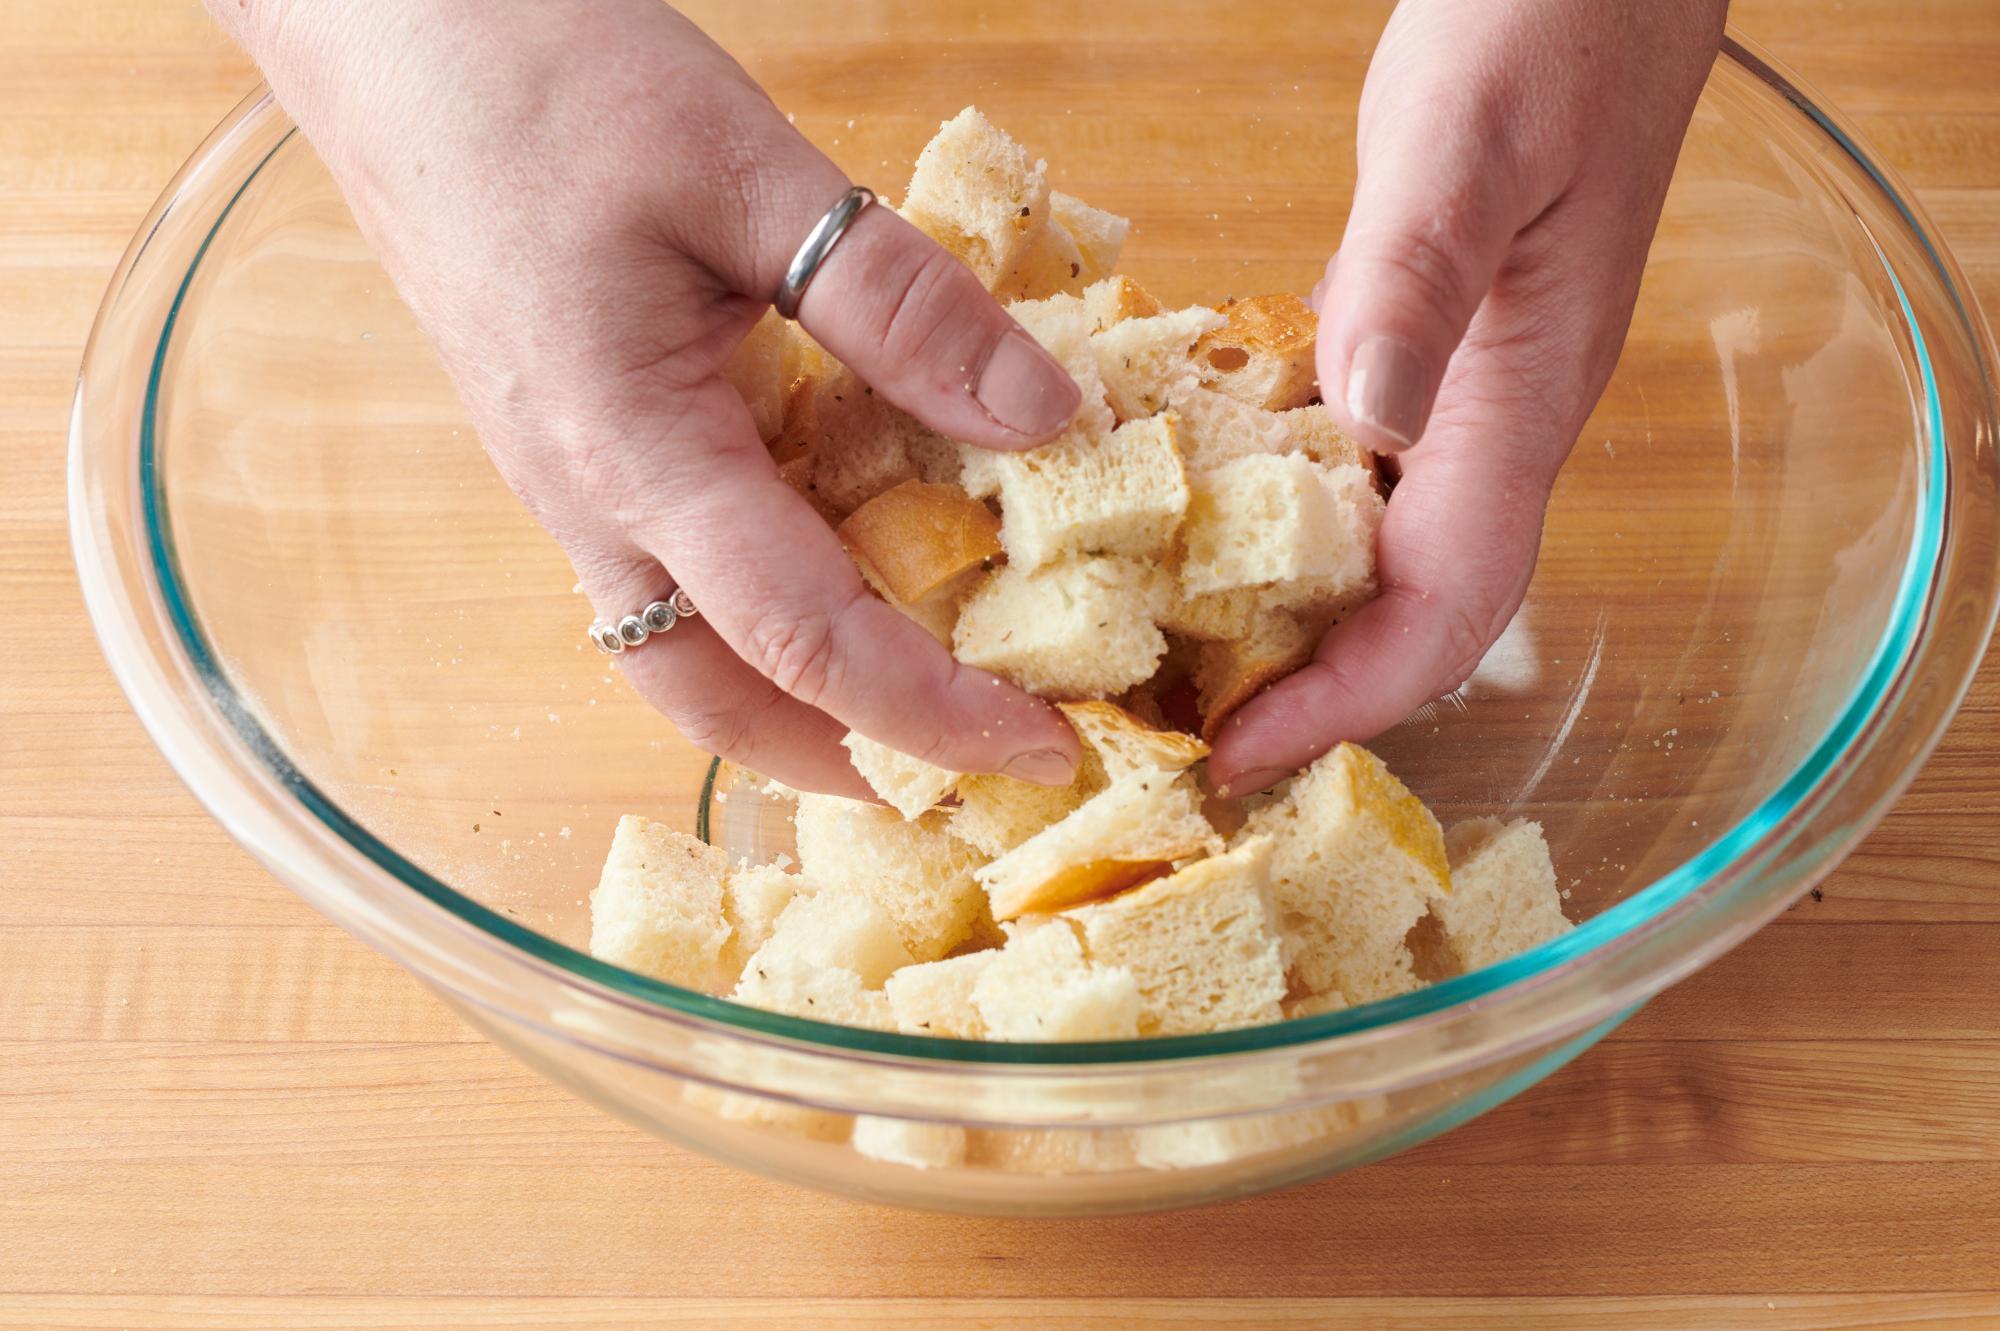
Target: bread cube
{"type": "Point", "coordinates": [1144, 362]}
{"type": "Point", "coordinates": [1263, 352]}
{"type": "Point", "coordinates": [1217, 1141]}
{"type": "Point", "coordinates": [1216, 429]}
{"type": "Point", "coordinates": [1264, 519]}
{"type": "Point", "coordinates": [1229, 674]}
{"type": "Point", "coordinates": [1042, 987]}
{"type": "Point", "coordinates": [935, 998]}
{"type": "Point", "coordinates": [1079, 628]}
{"type": "Point", "coordinates": [1356, 861]}
{"type": "Point", "coordinates": [658, 907]}
{"type": "Point", "coordinates": [1119, 495]}
{"type": "Point", "coordinates": [801, 989]}
{"type": "Point", "coordinates": [1045, 1151]}
{"type": "Point", "coordinates": [909, 785]}
{"type": "Point", "coordinates": [1311, 430]}
{"type": "Point", "coordinates": [860, 443]}
{"type": "Point", "coordinates": [915, 537]}
{"type": "Point", "coordinates": [1113, 300]}
{"type": "Point", "coordinates": [1504, 898]}
{"type": "Point", "coordinates": [997, 813]}
{"type": "Point", "coordinates": [828, 930]}
{"type": "Point", "coordinates": [1050, 264]}
{"type": "Point", "coordinates": [977, 193]}
{"type": "Point", "coordinates": [1122, 744]}
{"type": "Point", "coordinates": [902, 1141]}
{"type": "Point", "coordinates": [1211, 616]}
{"type": "Point", "coordinates": [1202, 943]}
{"type": "Point", "coordinates": [914, 869]}
{"type": "Point", "coordinates": [1123, 835]}
{"type": "Point", "coordinates": [1098, 236]}
{"type": "Point", "coordinates": [753, 896]}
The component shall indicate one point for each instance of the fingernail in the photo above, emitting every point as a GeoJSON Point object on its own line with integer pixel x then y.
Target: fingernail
{"type": "Point", "coordinates": [1386, 386]}
{"type": "Point", "coordinates": [1024, 389]}
{"type": "Point", "coordinates": [1043, 767]}
{"type": "Point", "coordinates": [1249, 783]}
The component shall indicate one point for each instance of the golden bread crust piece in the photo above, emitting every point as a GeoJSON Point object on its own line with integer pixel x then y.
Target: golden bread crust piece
{"type": "Point", "coordinates": [1263, 354]}
{"type": "Point", "coordinates": [916, 537]}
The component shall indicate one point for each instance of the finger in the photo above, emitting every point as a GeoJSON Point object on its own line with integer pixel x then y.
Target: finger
{"type": "Point", "coordinates": [772, 579]}
{"type": "Point", "coordinates": [1424, 241]}
{"type": "Point", "coordinates": [719, 704]}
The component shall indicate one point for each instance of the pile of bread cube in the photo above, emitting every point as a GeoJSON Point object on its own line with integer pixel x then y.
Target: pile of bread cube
{"type": "Point", "coordinates": [1187, 541]}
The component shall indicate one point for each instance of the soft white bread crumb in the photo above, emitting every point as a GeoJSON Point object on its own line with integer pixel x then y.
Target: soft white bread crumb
{"type": "Point", "coordinates": [1080, 628]}
{"type": "Point", "coordinates": [1099, 236]}
{"type": "Point", "coordinates": [766, 1113]}
{"type": "Point", "coordinates": [1062, 328]}
{"type": "Point", "coordinates": [914, 538]}
{"type": "Point", "coordinates": [1210, 616]}
{"type": "Point", "coordinates": [1123, 744]}
{"type": "Point", "coordinates": [1123, 494]}
{"type": "Point", "coordinates": [1144, 362]}
{"type": "Point", "coordinates": [859, 443]}
{"type": "Point", "coordinates": [1216, 428]}
{"type": "Point", "coordinates": [902, 1141]}
{"type": "Point", "coordinates": [1116, 299]}
{"type": "Point", "coordinates": [1050, 264]}
{"type": "Point", "coordinates": [1311, 430]}
{"type": "Point", "coordinates": [756, 370]}
{"type": "Point", "coordinates": [803, 989]}
{"type": "Point", "coordinates": [1263, 353]}
{"type": "Point", "coordinates": [916, 871]}
{"type": "Point", "coordinates": [658, 907]}
{"type": "Point", "coordinates": [997, 813]}
{"type": "Point", "coordinates": [977, 193]}
{"type": "Point", "coordinates": [753, 896]}
{"type": "Point", "coordinates": [935, 998]}
{"type": "Point", "coordinates": [910, 785]}
{"type": "Point", "coordinates": [1042, 987]}
{"type": "Point", "coordinates": [1504, 898]}
{"type": "Point", "coordinates": [1202, 943]}
{"type": "Point", "coordinates": [1126, 833]}
{"type": "Point", "coordinates": [831, 929]}
{"type": "Point", "coordinates": [1269, 519]}
{"type": "Point", "coordinates": [1218, 1141]}
{"type": "Point", "coordinates": [1357, 859]}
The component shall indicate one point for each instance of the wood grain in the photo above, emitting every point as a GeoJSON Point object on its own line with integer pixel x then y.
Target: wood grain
{"type": "Point", "coordinates": [218, 1111]}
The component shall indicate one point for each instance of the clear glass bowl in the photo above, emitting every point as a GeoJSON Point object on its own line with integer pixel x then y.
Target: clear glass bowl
{"type": "Point", "coordinates": [1768, 574]}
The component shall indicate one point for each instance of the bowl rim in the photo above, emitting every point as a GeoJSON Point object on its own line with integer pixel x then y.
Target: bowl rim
{"type": "Point", "coordinates": [1702, 876]}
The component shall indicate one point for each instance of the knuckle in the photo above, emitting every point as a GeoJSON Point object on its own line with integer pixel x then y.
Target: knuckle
{"type": "Point", "coordinates": [1426, 260]}
{"type": "Point", "coordinates": [927, 298]}
{"type": "Point", "coordinates": [723, 732]}
{"type": "Point", "coordinates": [796, 651]}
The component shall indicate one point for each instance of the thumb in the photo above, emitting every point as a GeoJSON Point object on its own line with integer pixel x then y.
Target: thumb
{"type": "Point", "coordinates": [1422, 247]}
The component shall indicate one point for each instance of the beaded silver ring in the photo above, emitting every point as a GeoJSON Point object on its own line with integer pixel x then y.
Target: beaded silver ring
{"type": "Point", "coordinates": [614, 636]}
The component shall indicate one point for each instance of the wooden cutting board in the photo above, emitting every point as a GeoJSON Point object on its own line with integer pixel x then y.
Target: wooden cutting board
{"type": "Point", "coordinates": [216, 1110]}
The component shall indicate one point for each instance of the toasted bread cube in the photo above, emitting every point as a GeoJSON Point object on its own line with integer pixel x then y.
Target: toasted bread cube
{"type": "Point", "coordinates": [1122, 495]}
{"type": "Point", "coordinates": [1265, 519]}
{"type": "Point", "coordinates": [1116, 299]}
{"type": "Point", "coordinates": [1229, 674]}
{"type": "Point", "coordinates": [915, 537]}
{"type": "Point", "coordinates": [1042, 987]}
{"type": "Point", "coordinates": [1311, 430]}
{"type": "Point", "coordinates": [935, 998]}
{"type": "Point", "coordinates": [802, 358]}
{"type": "Point", "coordinates": [860, 444]}
{"type": "Point", "coordinates": [1123, 744]}
{"type": "Point", "coordinates": [1062, 328]}
{"type": "Point", "coordinates": [1263, 353]}
{"type": "Point", "coordinates": [831, 929]}
{"type": "Point", "coordinates": [997, 813]}
{"type": "Point", "coordinates": [977, 193]}
{"type": "Point", "coordinates": [1357, 860]}
{"type": "Point", "coordinates": [1504, 898]}
{"type": "Point", "coordinates": [1099, 236]}
{"type": "Point", "coordinates": [756, 370]}
{"type": "Point", "coordinates": [915, 870]}
{"type": "Point", "coordinates": [909, 785]}
{"type": "Point", "coordinates": [1050, 264]}
{"type": "Point", "coordinates": [1210, 616]}
{"type": "Point", "coordinates": [1128, 832]}
{"type": "Point", "coordinates": [902, 1141]}
{"type": "Point", "coordinates": [658, 908]}
{"type": "Point", "coordinates": [1081, 628]}
{"type": "Point", "coordinates": [1144, 362]}
{"type": "Point", "coordinates": [1202, 943]}
{"type": "Point", "coordinates": [937, 613]}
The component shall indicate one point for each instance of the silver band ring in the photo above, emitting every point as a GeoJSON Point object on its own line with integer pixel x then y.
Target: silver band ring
{"type": "Point", "coordinates": [614, 636]}
{"type": "Point", "coordinates": [819, 244]}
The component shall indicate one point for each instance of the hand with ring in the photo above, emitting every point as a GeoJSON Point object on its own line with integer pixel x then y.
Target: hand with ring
{"type": "Point", "coordinates": [598, 206]}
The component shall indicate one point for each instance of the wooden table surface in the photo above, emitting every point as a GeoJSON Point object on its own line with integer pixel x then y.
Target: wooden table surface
{"type": "Point", "coordinates": [218, 1110]}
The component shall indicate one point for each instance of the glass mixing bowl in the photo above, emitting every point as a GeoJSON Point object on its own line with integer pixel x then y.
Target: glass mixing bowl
{"type": "Point", "coordinates": [1768, 574]}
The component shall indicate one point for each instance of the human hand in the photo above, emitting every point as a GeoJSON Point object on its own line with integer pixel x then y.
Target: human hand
{"type": "Point", "coordinates": [1513, 158]}
{"type": "Point", "coordinates": [588, 204]}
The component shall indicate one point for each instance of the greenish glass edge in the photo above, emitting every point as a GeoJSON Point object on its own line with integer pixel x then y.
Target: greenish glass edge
{"type": "Point", "coordinates": [1669, 890]}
